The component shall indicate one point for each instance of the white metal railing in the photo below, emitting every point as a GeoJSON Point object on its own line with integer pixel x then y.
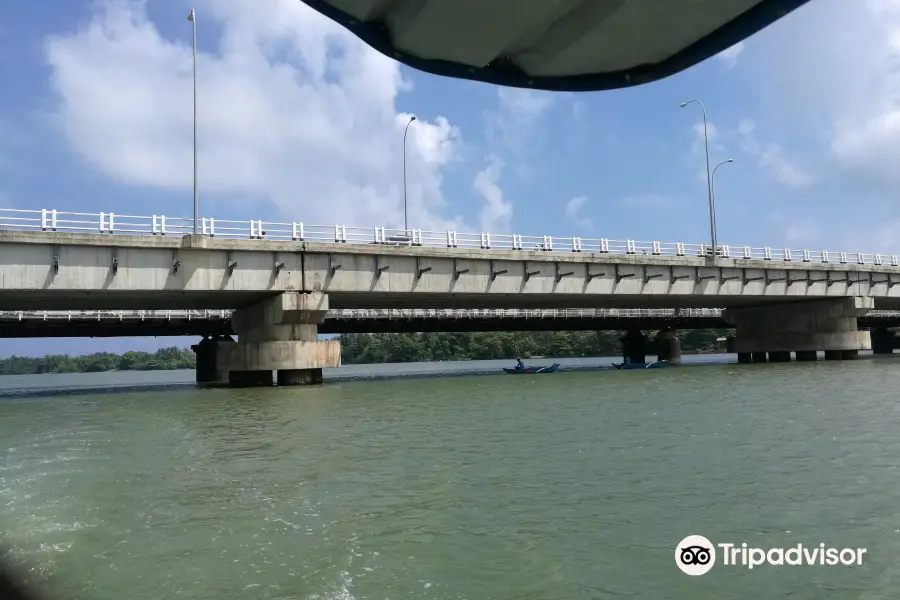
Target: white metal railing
{"type": "Point", "coordinates": [109, 223]}
{"type": "Point", "coordinates": [392, 313]}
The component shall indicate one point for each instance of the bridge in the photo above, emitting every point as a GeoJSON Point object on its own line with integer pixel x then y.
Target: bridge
{"type": "Point", "coordinates": [212, 323]}
{"type": "Point", "coordinates": [282, 278]}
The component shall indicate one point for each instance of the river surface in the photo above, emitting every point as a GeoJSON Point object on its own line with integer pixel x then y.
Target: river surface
{"type": "Point", "coordinates": [575, 485]}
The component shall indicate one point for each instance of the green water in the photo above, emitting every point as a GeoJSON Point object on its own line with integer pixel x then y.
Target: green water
{"type": "Point", "coordinates": [569, 486]}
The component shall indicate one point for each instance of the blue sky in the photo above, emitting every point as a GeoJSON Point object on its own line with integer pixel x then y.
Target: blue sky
{"type": "Point", "coordinates": [300, 121]}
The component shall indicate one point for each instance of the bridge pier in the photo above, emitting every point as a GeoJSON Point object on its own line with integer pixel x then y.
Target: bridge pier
{"type": "Point", "coordinates": [281, 334]}
{"type": "Point", "coordinates": [802, 327]}
{"type": "Point", "coordinates": [634, 346]}
{"type": "Point", "coordinates": [883, 341]}
{"type": "Point", "coordinates": [668, 346]}
{"type": "Point", "coordinates": [213, 359]}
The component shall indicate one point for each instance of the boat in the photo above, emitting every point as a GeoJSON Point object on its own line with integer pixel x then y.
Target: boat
{"type": "Point", "coordinates": [532, 370]}
{"type": "Point", "coordinates": [625, 366]}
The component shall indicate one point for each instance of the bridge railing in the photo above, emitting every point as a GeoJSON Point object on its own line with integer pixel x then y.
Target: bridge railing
{"type": "Point", "coordinates": [393, 313]}
{"type": "Point", "coordinates": [110, 223]}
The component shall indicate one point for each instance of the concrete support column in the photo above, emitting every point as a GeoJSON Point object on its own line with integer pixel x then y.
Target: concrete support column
{"type": "Point", "coordinates": [281, 334]}
{"type": "Point", "coordinates": [668, 347]}
{"type": "Point", "coordinates": [213, 360]}
{"type": "Point", "coordinates": [804, 327]}
{"type": "Point", "coordinates": [759, 357]}
{"type": "Point", "coordinates": [883, 341]}
{"type": "Point", "coordinates": [779, 356]}
{"type": "Point", "coordinates": [634, 346]}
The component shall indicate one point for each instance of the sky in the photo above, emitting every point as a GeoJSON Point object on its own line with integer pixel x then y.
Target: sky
{"type": "Point", "coordinates": [300, 121]}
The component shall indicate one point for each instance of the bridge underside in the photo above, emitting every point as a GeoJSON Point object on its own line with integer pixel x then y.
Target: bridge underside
{"type": "Point", "coordinates": [567, 45]}
{"type": "Point", "coordinates": [33, 328]}
{"type": "Point", "coordinates": [229, 299]}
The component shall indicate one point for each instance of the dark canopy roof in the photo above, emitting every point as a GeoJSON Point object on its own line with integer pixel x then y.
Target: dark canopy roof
{"type": "Point", "coordinates": [559, 45]}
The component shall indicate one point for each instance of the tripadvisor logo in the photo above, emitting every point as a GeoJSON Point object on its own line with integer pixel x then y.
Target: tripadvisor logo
{"type": "Point", "coordinates": [696, 555]}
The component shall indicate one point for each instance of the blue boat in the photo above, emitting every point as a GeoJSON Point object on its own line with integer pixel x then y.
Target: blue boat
{"type": "Point", "coordinates": [625, 366]}
{"type": "Point", "coordinates": [532, 370]}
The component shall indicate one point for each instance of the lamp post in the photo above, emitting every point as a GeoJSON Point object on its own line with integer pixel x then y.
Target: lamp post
{"type": "Point", "coordinates": [192, 17]}
{"type": "Point", "coordinates": [712, 210]}
{"type": "Point", "coordinates": [712, 188]}
{"type": "Point", "coordinates": [405, 213]}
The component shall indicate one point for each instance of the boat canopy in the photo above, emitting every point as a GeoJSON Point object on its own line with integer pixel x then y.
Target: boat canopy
{"type": "Point", "coordinates": [557, 45]}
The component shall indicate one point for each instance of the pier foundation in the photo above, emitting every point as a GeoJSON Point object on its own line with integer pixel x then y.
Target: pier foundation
{"type": "Point", "coordinates": [804, 327]}
{"type": "Point", "coordinates": [668, 347]}
{"type": "Point", "coordinates": [281, 334]}
{"type": "Point", "coordinates": [213, 360]}
{"type": "Point", "coordinates": [634, 346]}
{"type": "Point", "coordinates": [883, 341]}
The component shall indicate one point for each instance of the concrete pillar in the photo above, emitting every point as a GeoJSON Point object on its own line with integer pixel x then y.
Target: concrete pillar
{"type": "Point", "coordinates": [668, 347]}
{"type": "Point", "coordinates": [250, 378]}
{"type": "Point", "coordinates": [730, 347]}
{"type": "Point", "coordinates": [744, 358]}
{"type": "Point", "coordinates": [281, 334]}
{"type": "Point", "coordinates": [634, 346]}
{"type": "Point", "coordinates": [883, 341]}
{"type": "Point", "coordinates": [805, 326]}
{"type": "Point", "coordinates": [779, 356]}
{"type": "Point", "coordinates": [213, 360]}
{"type": "Point", "coordinates": [299, 376]}
{"type": "Point", "coordinates": [758, 357]}
{"type": "Point", "coordinates": [807, 356]}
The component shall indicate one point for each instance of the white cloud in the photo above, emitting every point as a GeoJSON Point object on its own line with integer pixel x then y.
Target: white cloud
{"type": "Point", "coordinates": [573, 212]}
{"type": "Point", "coordinates": [832, 73]}
{"type": "Point", "coordinates": [518, 117]}
{"type": "Point", "coordinates": [292, 108]}
{"type": "Point", "coordinates": [496, 214]}
{"type": "Point", "coordinates": [730, 56]}
{"type": "Point", "coordinates": [771, 157]}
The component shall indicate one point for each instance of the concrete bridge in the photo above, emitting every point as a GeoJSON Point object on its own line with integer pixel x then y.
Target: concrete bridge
{"type": "Point", "coordinates": [282, 278]}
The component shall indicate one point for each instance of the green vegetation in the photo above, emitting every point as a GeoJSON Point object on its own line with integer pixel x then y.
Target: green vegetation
{"type": "Point", "coordinates": [365, 348]}
{"type": "Point", "coordinates": [362, 348]}
{"type": "Point", "coordinates": [163, 359]}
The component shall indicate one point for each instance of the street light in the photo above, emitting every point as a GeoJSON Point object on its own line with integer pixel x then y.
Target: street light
{"type": "Point", "coordinates": [712, 188]}
{"type": "Point", "coordinates": [405, 214]}
{"type": "Point", "coordinates": [192, 17]}
{"type": "Point", "coordinates": [712, 210]}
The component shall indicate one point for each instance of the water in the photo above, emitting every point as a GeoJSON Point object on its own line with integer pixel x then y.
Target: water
{"type": "Point", "coordinates": [574, 485]}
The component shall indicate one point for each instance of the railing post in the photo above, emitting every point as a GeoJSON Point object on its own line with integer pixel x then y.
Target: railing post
{"type": "Point", "coordinates": [657, 250]}
{"type": "Point", "coordinates": [629, 246]}
{"type": "Point", "coordinates": [894, 260]}
{"type": "Point", "coordinates": [787, 254]}
{"type": "Point", "coordinates": [679, 248]}
{"type": "Point", "coordinates": [767, 253]}
{"type": "Point", "coordinates": [297, 231]}
{"type": "Point", "coordinates": [806, 257]}
{"type": "Point", "coordinates": [576, 244]}
{"type": "Point", "coordinates": [378, 239]}
{"type": "Point", "coordinates": [877, 259]}
{"type": "Point", "coordinates": [102, 222]}
{"type": "Point", "coordinates": [726, 251]}
{"type": "Point", "coordinates": [253, 233]}
{"type": "Point", "coordinates": [861, 258]}
{"type": "Point", "coordinates": [485, 241]}
{"type": "Point", "coordinates": [604, 245]}
{"type": "Point", "coordinates": [112, 225]}
{"type": "Point", "coordinates": [843, 256]}
{"type": "Point", "coordinates": [825, 256]}
{"type": "Point", "coordinates": [748, 252]}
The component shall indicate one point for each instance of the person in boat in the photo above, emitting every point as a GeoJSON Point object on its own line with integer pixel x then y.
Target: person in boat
{"type": "Point", "coordinates": [520, 366]}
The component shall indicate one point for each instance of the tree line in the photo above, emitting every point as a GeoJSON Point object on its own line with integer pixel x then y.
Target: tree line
{"type": "Point", "coordinates": [368, 348]}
